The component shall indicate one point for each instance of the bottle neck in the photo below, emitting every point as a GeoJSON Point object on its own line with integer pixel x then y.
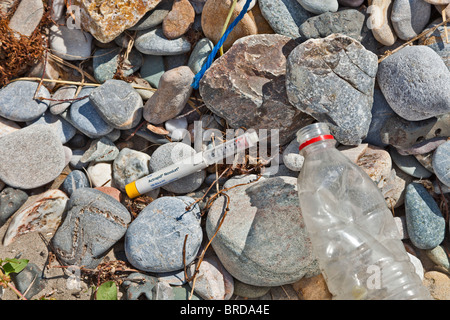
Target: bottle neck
{"type": "Point", "coordinates": [315, 137]}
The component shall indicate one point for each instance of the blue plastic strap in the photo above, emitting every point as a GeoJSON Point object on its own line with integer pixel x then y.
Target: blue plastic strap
{"type": "Point", "coordinates": [219, 44]}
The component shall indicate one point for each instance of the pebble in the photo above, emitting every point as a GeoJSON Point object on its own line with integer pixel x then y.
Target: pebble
{"type": "Point", "coordinates": [129, 166]}
{"type": "Point", "coordinates": [63, 93]}
{"type": "Point", "coordinates": [29, 281]}
{"type": "Point", "coordinates": [17, 103]}
{"type": "Point", "coordinates": [169, 154]}
{"type": "Point", "coordinates": [100, 174]}
{"type": "Point", "coordinates": [138, 285]}
{"type": "Point", "coordinates": [63, 129]}
{"type": "Point", "coordinates": [93, 224]}
{"type": "Point", "coordinates": [251, 230]}
{"type": "Point", "coordinates": [172, 95]}
{"type": "Point", "coordinates": [415, 91]}
{"type": "Point", "coordinates": [409, 164]}
{"type": "Point", "coordinates": [381, 112]}
{"type": "Point", "coordinates": [70, 44]}
{"type": "Point", "coordinates": [333, 80]}
{"type": "Point", "coordinates": [41, 213]}
{"type": "Point", "coordinates": [153, 42]}
{"type": "Point", "coordinates": [110, 191]}
{"type": "Point", "coordinates": [213, 282]}
{"type": "Point", "coordinates": [408, 135]}
{"type": "Point", "coordinates": [350, 3]}
{"type": "Point", "coordinates": [100, 150]}
{"type": "Point", "coordinates": [380, 22]}
{"type": "Point", "coordinates": [409, 17]}
{"type": "Point", "coordinates": [179, 19]}
{"type": "Point", "coordinates": [425, 223]}
{"type": "Point", "coordinates": [214, 15]}
{"type": "Point", "coordinates": [10, 201]}
{"type": "Point", "coordinates": [284, 16]}
{"type": "Point", "coordinates": [154, 241]}
{"type": "Point", "coordinates": [106, 63]}
{"type": "Point", "coordinates": [347, 22]}
{"type": "Point", "coordinates": [313, 288]}
{"type": "Point", "coordinates": [152, 69]}
{"type": "Point", "coordinates": [75, 161]}
{"type": "Point", "coordinates": [439, 256]}
{"type": "Point", "coordinates": [319, 7]}
{"type": "Point", "coordinates": [376, 162]}
{"type": "Point", "coordinates": [84, 116]}
{"type": "Point", "coordinates": [441, 163]}
{"type": "Point", "coordinates": [291, 157]}
{"type": "Point", "coordinates": [75, 180]}
{"type": "Point", "coordinates": [22, 153]}
{"type": "Point", "coordinates": [7, 126]}
{"type": "Point", "coordinates": [263, 59]}
{"type": "Point", "coordinates": [177, 128]}
{"type": "Point", "coordinates": [436, 40]}
{"type": "Point", "coordinates": [200, 54]}
{"type": "Point", "coordinates": [27, 17]}
{"type": "Point", "coordinates": [248, 291]}
{"type": "Point", "coordinates": [118, 104]}
{"type": "Point", "coordinates": [107, 20]}
{"type": "Point", "coordinates": [438, 284]}
{"type": "Point", "coordinates": [153, 17]}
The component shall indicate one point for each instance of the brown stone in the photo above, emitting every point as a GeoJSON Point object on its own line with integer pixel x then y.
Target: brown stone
{"type": "Point", "coordinates": [107, 19]}
{"type": "Point", "coordinates": [214, 15]}
{"type": "Point", "coordinates": [179, 19]}
{"type": "Point", "coordinates": [246, 86]}
{"type": "Point", "coordinates": [113, 192]}
{"type": "Point", "coordinates": [262, 26]}
{"type": "Point", "coordinates": [314, 288]}
{"type": "Point", "coordinates": [438, 284]}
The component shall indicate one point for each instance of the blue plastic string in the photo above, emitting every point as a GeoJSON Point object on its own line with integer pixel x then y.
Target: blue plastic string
{"type": "Point", "coordinates": [195, 84]}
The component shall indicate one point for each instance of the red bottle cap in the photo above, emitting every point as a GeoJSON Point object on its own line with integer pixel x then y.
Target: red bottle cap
{"type": "Point", "coordinates": [315, 139]}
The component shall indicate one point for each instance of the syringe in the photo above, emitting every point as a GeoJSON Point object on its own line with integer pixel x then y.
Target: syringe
{"type": "Point", "coordinates": [197, 162]}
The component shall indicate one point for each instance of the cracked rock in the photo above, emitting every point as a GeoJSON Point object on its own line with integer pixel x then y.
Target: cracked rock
{"type": "Point", "coordinates": [333, 79]}
{"type": "Point", "coordinates": [95, 221]}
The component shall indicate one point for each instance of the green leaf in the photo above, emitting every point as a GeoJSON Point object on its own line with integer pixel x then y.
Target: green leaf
{"type": "Point", "coordinates": [14, 265]}
{"type": "Point", "coordinates": [107, 291]}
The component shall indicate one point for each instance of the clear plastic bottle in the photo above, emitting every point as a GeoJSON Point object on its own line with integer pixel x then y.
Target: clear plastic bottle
{"type": "Point", "coordinates": [352, 231]}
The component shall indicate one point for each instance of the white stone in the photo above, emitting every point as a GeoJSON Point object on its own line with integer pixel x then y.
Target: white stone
{"type": "Point", "coordinates": [100, 174]}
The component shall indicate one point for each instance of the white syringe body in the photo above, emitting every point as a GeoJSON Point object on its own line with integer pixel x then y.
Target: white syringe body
{"type": "Point", "coordinates": [185, 167]}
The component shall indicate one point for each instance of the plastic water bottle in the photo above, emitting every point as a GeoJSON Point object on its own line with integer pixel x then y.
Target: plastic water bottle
{"type": "Point", "coordinates": [352, 231]}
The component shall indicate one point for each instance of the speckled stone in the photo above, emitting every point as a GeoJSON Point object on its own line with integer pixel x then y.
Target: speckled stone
{"type": "Point", "coordinates": [416, 83]}
{"type": "Point", "coordinates": [262, 240]}
{"type": "Point", "coordinates": [333, 79]}
{"type": "Point", "coordinates": [439, 256]}
{"type": "Point", "coordinates": [424, 220]}
{"type": "Point", "coordinates": [94, 222]}
{"type": "Point", "coordinates": [441, 163]}
{"type": "Point", "coordinates": [17, 103]}
{"type": "Point", "coordinates": [129, 166]}
{"type": "Point", "coordinates": [10, 201]}
{"type": "Point", "coordinates": [154, 240]}
{"type": "Point", "coordinates": [100, 150]}
{"type": "Point", "coordinates": [141, 286]}
{"type": "Point", "coordinates": [319, 7]}
{"type": "Point", "coordinates": [63, 129]}
{"type": "Point", "coordinates": [284, 16]}
{"type": "Point", "coordinates": [85, 117]}
{"type": "Point", "coordinates": [22, 153]}
{"type": "Point", "coordinates": [118, 104]}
